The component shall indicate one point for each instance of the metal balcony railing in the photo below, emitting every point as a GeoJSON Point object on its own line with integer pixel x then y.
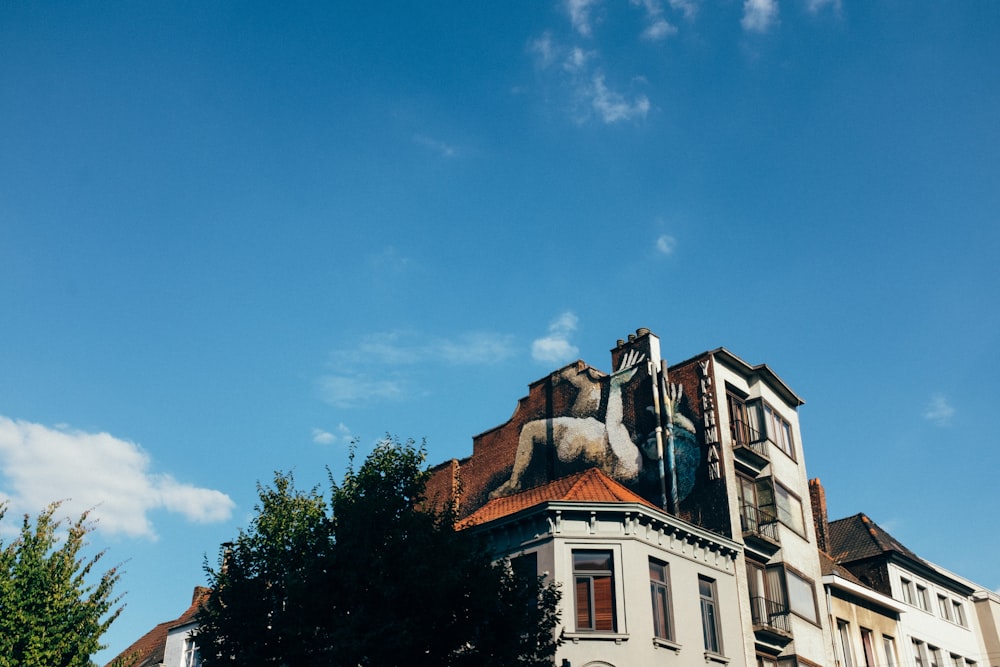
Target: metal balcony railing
{"type": "Point", "coordinates": [770, 615]}
{"type": "Point", "coordinates": [748, 437]}
{"type": "Point", "coordinates": [759, 521]}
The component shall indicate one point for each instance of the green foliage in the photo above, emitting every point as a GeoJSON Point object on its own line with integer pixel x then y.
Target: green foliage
{"type": "Point", "coordinates": [375, 578]}
{"type": "Point", "coordinates": [50, 614]}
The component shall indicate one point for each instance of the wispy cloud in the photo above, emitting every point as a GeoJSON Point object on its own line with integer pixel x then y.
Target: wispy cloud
{"type": "Point", "coordinates": [759, 15]}
{"type": "Point", "coordinates": [816, 6]}
{"type": "Point", "coordinates": [556, 346]}
{"type": "Point", "coordinates": [388, 259]}
{"type": "Point", "coordinates": [611, 106]}
{"type": "Point", "coordinates": [382, 366]}
{"type": "Point", "coordinates": [657, 27]}
{"type": "Point", "coordinates": [441, 148]}
{"type": "Point", "coordinates": [322, 437]}
{"type": "Point", "coordinates": [41, 464]}
{"type": "Point", "coordinates": [666, 244]}
{"type": "Point", "coordinates": [353, 389]}
{"type": "Point", "coordinates": [939, 411]}
{"type": "Point", "coordinates": [579, 15]}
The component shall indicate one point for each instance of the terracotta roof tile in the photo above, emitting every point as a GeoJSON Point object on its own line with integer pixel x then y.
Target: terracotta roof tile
{"type": "Point", "coordinates": [147, 651]}
{"type": "Point", "coordinates": [591, 485]}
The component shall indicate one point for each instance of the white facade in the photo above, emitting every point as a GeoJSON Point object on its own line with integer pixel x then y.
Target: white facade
{"type": "Point", "coordinates": [181, 649]}
{"type": "Point", "coordinates": [631, 541]}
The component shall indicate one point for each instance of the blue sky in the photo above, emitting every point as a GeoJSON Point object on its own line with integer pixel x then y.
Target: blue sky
{"type": "Point", "coordinates": [235, 235]}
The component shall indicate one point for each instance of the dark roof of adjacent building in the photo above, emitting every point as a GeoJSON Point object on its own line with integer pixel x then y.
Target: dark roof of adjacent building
{"type": "Point", "coordinates": [827, 566]}
{"type": "Point", "coordinates": [591, 485]}
{"type": "Point", "coordinates": [858, 537]}
{"type": "Point", "coordinates": [148, 649]}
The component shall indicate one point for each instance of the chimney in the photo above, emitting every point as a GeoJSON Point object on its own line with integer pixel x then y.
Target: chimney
{"type": "Point", "coordinates": [642, 341]}
{"type": "Point", "coordinates": [817, 498]}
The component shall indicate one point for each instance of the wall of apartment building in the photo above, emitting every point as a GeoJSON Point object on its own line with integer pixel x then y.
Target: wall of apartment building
{"type": "Point", "coordinates": [927, 623]}
{"type": "Point", "coordinates": [798, 550]}
{"type": "Point", "coordinates": [987, 605]}
{"type": "Point", "coordinates": [859, 614]}
{"type": "Point", "coordinates": [633, 536]}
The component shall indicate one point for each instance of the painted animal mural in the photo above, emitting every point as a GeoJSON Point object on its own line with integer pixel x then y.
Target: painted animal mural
{"type": "Point", "coordinates": [580, 435]}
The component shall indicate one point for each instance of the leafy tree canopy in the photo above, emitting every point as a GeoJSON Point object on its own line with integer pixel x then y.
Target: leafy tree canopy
{"type": "Point", "coordinates": [374, 577]}
{"type": "Point", "coordinates": [51, 613]}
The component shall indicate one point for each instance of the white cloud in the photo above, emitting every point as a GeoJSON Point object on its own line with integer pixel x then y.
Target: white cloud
{"type": "Point", "coordinates": [555, 347]}
{"type": "Point", "coordinates": [579, 15]}
{"type": "Point", "coordinates": [40, 465]}
{"type": "Point", "coordinates": [544, 50]}
{"type": "Point", "coordinates": [687, 7]}
{"type": "Point", "coordinates": [441, 148]}
{"type": "Point", "coordinates": [759, 15]}
{"type": "Point", "coordinates": [380, 366]}
{"type": "Point", "coordinates": [816, 6]}
{"type": "Point", "coordinates": [658, 29]}
{"type": "Point", "coordinates": [939, 410]}
{"type": "Point", "coordinates": [321, 437]}
{"type": "Point", "coordinates": [612, 106]}
{"type": "Point", "coordinates": [666, 244]}
{"type": "Point", "coordinates": [351, 390]}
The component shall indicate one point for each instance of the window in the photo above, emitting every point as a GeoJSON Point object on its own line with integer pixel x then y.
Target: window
{"type": "Point", "coordinates": [907, 588]}
{"type": "Point", "coordinates": [789, 509]}
{"type": "Point", "coordinates": [866, 645]}
{"type": "Point", "coordinates": [766, 420]}
{"type": "Point", "coordinates": [659, 590]}
{"type": "Point", "coordinates": [766, 661]}
{"type": "Point", "coordinates": [935, 657]}
{"type": "Point", "coordinates": [709, 615]}
{"type": "Point", "coordinates": [889, 644]}
{"type": "Point", "coordinates": [944, 607]}
{"type": "Point", "coordinates": [844, 633]}
{"type": "Point", "coordinates": [801, 596]}
{"type": "Point", "coordinates": [956, 661]}
{"type": "Point", "coordinates": [919, 653]}
{"type": "Point", "coordinates": [593, 572]}
{"type": "Point", "coordinates": [959, 615]}
{"type": "Point", "coordinates": [191, 656]}
{"type": "Point", "coordinates": [525, 566]}
{"type": "Point", "coordinates": [922, 601]}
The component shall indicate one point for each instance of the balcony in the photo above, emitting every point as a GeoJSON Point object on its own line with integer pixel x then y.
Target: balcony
{"type": "Point", "coordinates": [770, 621]}
{"type": "Point", "coordinates": [749, 445]}
{"type": "Point", "coordinates": [760, 528]}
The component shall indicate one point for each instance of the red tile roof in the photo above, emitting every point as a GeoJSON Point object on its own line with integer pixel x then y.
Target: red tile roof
{"type": "Point", "coordinates": [148, 649]}
{"type": "Point", "coordinates": [591, 485]}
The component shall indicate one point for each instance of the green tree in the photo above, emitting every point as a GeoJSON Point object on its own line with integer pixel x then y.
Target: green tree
{"type": "Point", "coordinates": [51, 612]}
{"type": "Point", "coordinates": [377, 577]}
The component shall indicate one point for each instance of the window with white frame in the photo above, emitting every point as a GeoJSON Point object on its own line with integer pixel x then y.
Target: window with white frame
{"type": "Point", "coordinates": [944, 606]}
{"type": "Point", "coordinates": [919, 653]}
{"type": "Point", "coordinates": [711, 629]}
{"type": "Point", "coordinates": [594, 587]}
{"type": "Point", "coordinates": [889, 648]}
{"type": "Point", "coordinates": [659, 591]}
{"type": "Point", "coordinates": [846, 649]}
{"type": "Point", "coordinates": [959, 612]}
{"type": "Point", "coordinates": [906, 586]}
{"type": "Point", "coordinates": [191, 657]}
{"type": "Point", "coordinates": [935, 655]}
{"type": "Point", "coordinates": [922, 600]}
